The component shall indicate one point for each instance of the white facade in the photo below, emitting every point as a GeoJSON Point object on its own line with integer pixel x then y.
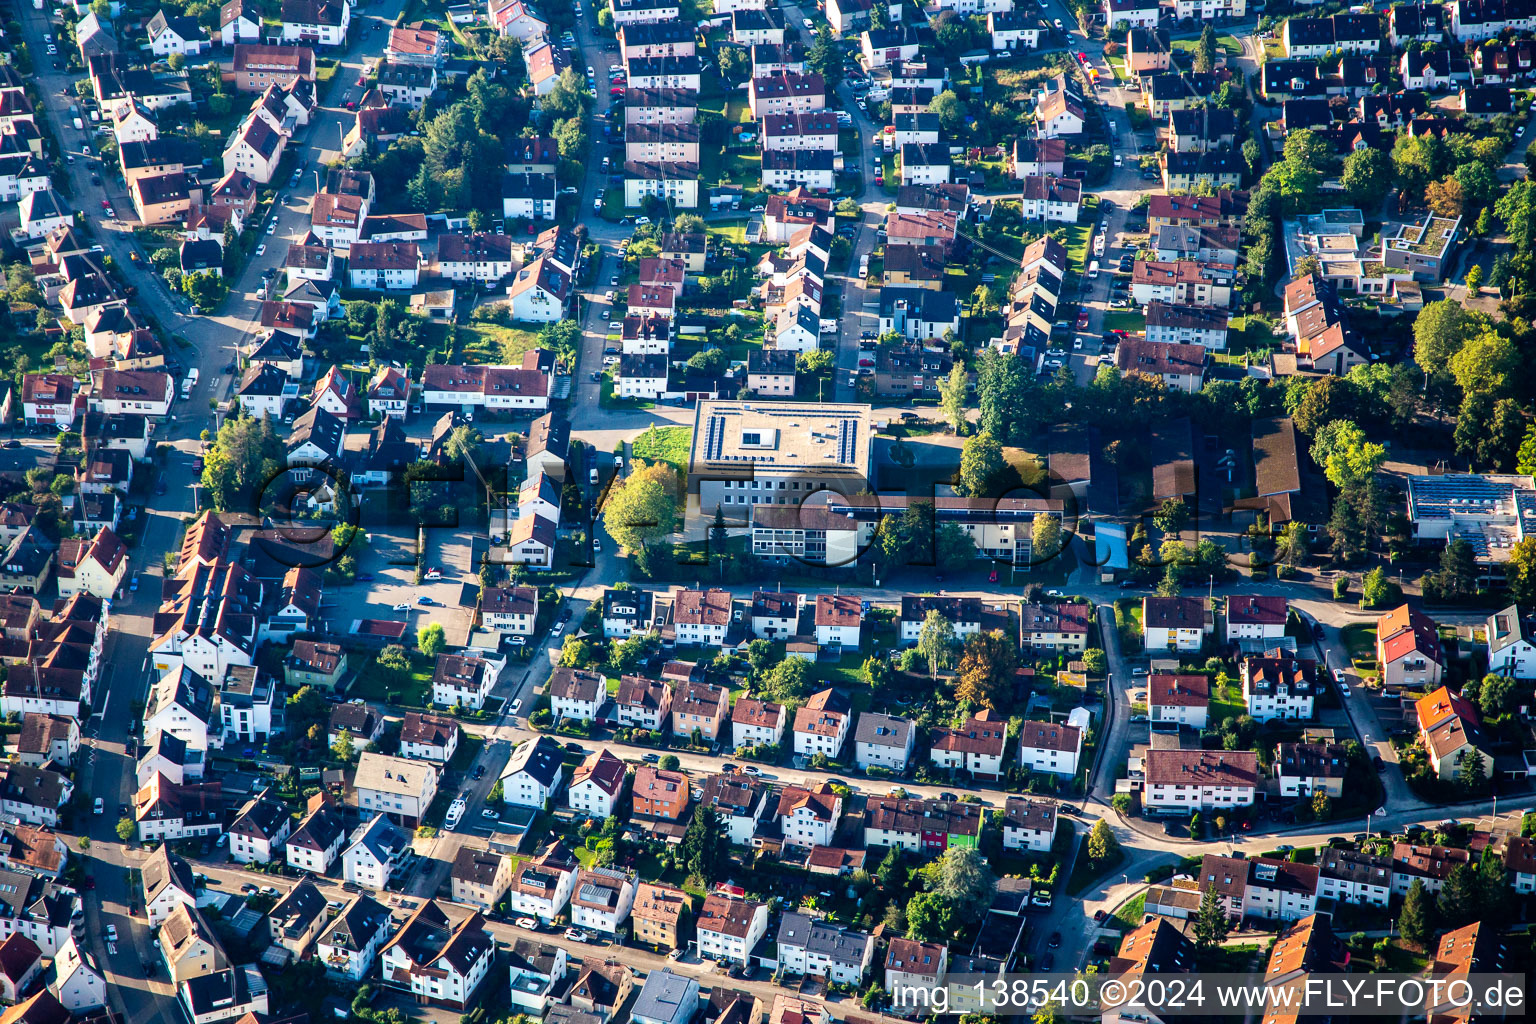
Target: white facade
{"type": "Point", "coordinates": [1195, 797]}
{"type": "Point", "coordinates": [720, 945]}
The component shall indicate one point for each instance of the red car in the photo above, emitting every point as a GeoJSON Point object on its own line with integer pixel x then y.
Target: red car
{"type": "Point", "coordinates": [879, 179]}
{"type": "Point", "coordinates": [1082, 320]}
{"type": "Point", "coordinates": [105, 205]}
{"type": "Point", "coordinates": [1083, 57]}
{"type": "Point", "coordinates": [866, 361]}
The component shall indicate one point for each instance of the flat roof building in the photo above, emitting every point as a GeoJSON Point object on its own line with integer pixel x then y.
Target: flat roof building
{"type": "Point", "coordinates": [779, 453]}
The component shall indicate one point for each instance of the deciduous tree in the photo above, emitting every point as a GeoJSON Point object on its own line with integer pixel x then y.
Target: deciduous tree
{"type": "Point", "coordinates": [1102, 843]}
{"type": "Point", "coordinates": [981, 466]}
{"type": "Point", "coordinates": [936, 642]}
{"type": "Point", "coordinates": [642, 509]}
{"type": "Point", "coordinates": [987, 665]}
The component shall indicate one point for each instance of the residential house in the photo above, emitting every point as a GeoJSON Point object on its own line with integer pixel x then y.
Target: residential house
{"type": "Point", "coordinates": [438, 960]}
{"type": "Point", "coordinates": [1029, 824]}
{"type": "Point", "coordinates": [975, 746]}
{"type": "Point", "coordinates": [1304, 769]}
{"type": "Point", "coordinates": [1174, 623]}
{"type": "Point", "coordinates": [396, 786]}
{"type": "Point", "coordinates": [533, 773]}
{"type": "Point", "coordinates": [822, 725]}
{"type": "Point", "coordinates": [1184, 781]}
{"type": "Point", "coordinates": [1408, 650]}
{"type": "Point", "coordinates": [810, 946]}
{"type": "Point", "coordinates": [699, 707]}
{"type": "Point", "coordinates": [596, 785]}
{"type": "Point", "coordinates": [883, 741]}
{"type": "Point", "coordinates": [808, 818]}
{"type": "Point", "coordinates": [728, 929]}
{"type": "Point", "coordinates": [480, 878]}
{"type": "Point", "coordinates": [1178, 700]}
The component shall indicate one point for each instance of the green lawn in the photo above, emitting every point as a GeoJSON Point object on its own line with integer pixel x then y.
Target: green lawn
{"type": "Point", "coordinates": [1086, 872]}
{"type": "Point", "coordinates": [730, 230]}
{"type": "Point", "coordinates": [1227, 44]}
{"type": "Point", "coordinates": [848, 671]}
{"type": "Point", "coordinates": [742, 167]}
{"type": "Point", "coordinates": [664, 444]}
{"type": "Point", "coordinates": [1078, 236]}
{"type": "Point", "coordinates": [1227, 703]}
{"type": "Point", "coordinates": [1129, 916]}
{"type": "Point", "coordinates": [1360, 639]}
{"type": "Point", "coordinates": [490, 343]}
{"type": "Point", "coordinates": [1125, 320]}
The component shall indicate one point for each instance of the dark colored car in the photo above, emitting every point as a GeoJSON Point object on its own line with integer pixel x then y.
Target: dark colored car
{"type": "Point", "coordinates": [1055, 940]}
{"type": "Point", "coordinates": [1380, 765]}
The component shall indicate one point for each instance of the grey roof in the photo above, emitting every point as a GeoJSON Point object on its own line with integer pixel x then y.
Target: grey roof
{"type": "Point", "coordinates": [319, 831]}
{"type": "Point", "coordinates": [263, 817]}
{"type": "Point", "coordinates": [320, 427]}
{"type": "Point", "coordinates": [231, 986]}
{"type": "Point", "coordinates": [840, 945]}
{"type": "Point", "coordinates": [1506, 627]}
{"type": "Point", "coordinates": [296, 911]}
{"type": "Point", "coordinates": [533, 957]}
{"type": "Point", "coordinates": [358, 923]}
{"type": "Point", "coordinates": [380, 838]}
{"type": "Point", "coordinates": [164, 868]}
{"type": "Point", "coordinates": [882, 730]}
{"type": "Point", "coordinates": [172, 748]}
{"type": "Point", "coordinates": [540, 758]}
{"type": "Point", "coordinates": [667, 997]}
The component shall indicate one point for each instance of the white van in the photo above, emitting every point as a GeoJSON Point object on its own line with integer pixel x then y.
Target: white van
{"type": "Point", "coordinates": [1093, 270]}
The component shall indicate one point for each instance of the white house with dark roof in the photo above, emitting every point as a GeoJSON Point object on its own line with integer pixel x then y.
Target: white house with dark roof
{"type": "Point", "coordinates": [318, 841]}
{"type": "Point", "coordinates": [349, 944]}
{"type": "Point", "coordinates": [533, 773]}
{"type": "Point", "coordinates": [1179, 700]}
{"type": "Point", "coordinates": [729, 928]}
{"type": "Point", "coordinates": [883, 741]}
{"type": "Point", "coordinates": [576, 693]}
{"type": "Point", "coordinates": [808, 817]}
{"type": "Point", "coordinates": [839, 619]}
{"type": "Point", "coordinates": [1303, 769]}
{"type": "Point", "coordinates": [1184, 781]}
{"type": "Point", "coordinates": [740, 801]}
{"type": "Point", "coordinates": [1256, 617]}
{"type": "Point", "coordinates": [1511, 643]}
{"type": "Point", "coordinates": [259, 831]}
{"type": "Point", "coordinates": [1051, 747]}
{"type": "Point", "coordinates": [810, 946]}
{"type": "Point", "coordinates": [975, 746]}
{"type": "Point", "coordinates": [626, 612]}
{"type": "Point", "coordinates": [432, 957]}
{"type": "Point", "coordinates": [1175, 623]}
{"type": "Point", "coordinates": [643, 703]}
{"type": "Point", "coordinates": [542, 887]}
{"type": "Point", "coordinates": [374, 850]}
{"type": "Point", "coordinates": [1029, 824]}
{"type": "Point", "coordinates": [168, 882]}
{"type": "Point", "coordinates": [1353, 876]}
{"type": "Point", "coordinates": [596, 785]}
{"type": "Point", "coordinates": [462, 681]}
{"type": "Point", "coordinates": [822, 725]}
